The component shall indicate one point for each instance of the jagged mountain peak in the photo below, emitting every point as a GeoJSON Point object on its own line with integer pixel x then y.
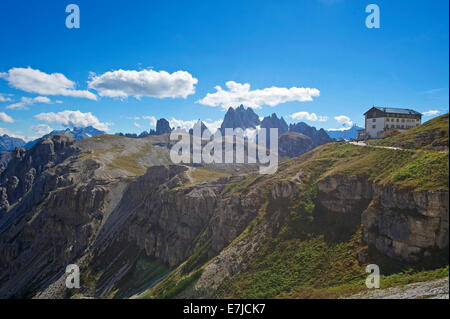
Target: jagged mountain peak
{"type": "Point", "coordinates": [240, 117]}
{"type": "Point", "coordinates": [163, 127]}
{"type": "Point", "coordinates": [199, 125]}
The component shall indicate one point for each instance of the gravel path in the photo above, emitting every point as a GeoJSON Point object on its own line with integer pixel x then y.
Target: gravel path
{"type": "Point", "coordinates": [437, 289]}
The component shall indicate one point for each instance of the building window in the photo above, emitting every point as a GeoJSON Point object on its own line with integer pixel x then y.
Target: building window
{"type": "Point", "coordinates": [398, 120]}
{"type": "Point", "coordinates": [403, 120]}
{"type": "Point", "coordinates": [387, 120]}
{"type": "Point", "coordinates": [374, 126]}
{"type": "Point", "coordinates": [374, 120]}
{"type": "Point", "coordinates": [392, 126]}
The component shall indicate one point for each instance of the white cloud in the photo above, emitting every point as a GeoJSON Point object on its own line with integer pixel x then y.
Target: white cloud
{"type": "Point", "coordinates": [238, 94]}
{"type": "Point", "coordinates": [35, 81]}
{"type": "Point", "coordinates": [137, 124]}
{"type": "Point", "coordinates": [187, 125]}
{"type": "Point", "coordinates": [25, 101]}
{"type": "Point", "coordinates": [213, 126]}
{"type": "Point", "coordinates": [5, 118]}
{"type": "Point", "coordinates": [41, 129]}
{"type": "Point", "coordinates": [4, 98]}
{"type": "Point", "coordinates": [124, 83]}
{"type": "Point", "coordinates": [73, 119]}
{"type": "Point", "coordinates": [431, 112]}
{"type": "Point", "coordinates": [152, 119]}
{"type": "Point", "coordinates": [4, 131]}
{"type": "Point", "coordinates": [309, 116]}
{"type": "Point", "coordinates": [344, 120]}
{"type": "Point", "coordinates": [342, 129]}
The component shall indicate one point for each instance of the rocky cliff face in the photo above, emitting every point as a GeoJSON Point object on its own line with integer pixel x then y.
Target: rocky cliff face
{"type": "Point", "coordinates": [20, 174]}
{"type": "Point", "coordinates": [168, 221]}
{"type": "Point", "coordinates": [52, 207]}
{"type": "Point", "coordinates": [399, 223]}
{"type": "Point", "coordinates": [5, 157]}
{"type": "Point", "coordinates": [69, 210]}
{"type": "Point", "coordinates": [65, 202]}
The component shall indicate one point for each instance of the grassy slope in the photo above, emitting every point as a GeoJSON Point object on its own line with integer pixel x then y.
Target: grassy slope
{"type": "Point", "coordinates": [200, 175]}
{"type": "Point", "coordinates": [301, 261]}
{"type": "Point", "coordinates": [432, 135]}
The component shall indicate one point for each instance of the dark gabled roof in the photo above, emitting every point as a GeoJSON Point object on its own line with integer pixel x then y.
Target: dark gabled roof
{"type": "Point", "coordinates": [394, 110]}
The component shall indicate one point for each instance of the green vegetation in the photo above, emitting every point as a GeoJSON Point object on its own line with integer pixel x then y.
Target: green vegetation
{"type": "Point", "coordinates": [130, 162]}
{"type": "Point", "coordinates": [173, 285]}
{"type": "Point", "coordinates": [199, 257]}
{"type": "Point", "coordinates": [402, 278]}
{"type": "Point", "coordinates": [432, 135]}
{"type": "Point", "coordinates": [201, 175]}
{"type": "Point", "coordinates": [413, 169]}
{"type": "Point", "coordinates": [244, 185]}
{"type": "Point", "coordinates": [144, 274]}
{"type": "Point", "coordinates": [313, 253]}
{"type": "Point", "coordinates": [285, 264]}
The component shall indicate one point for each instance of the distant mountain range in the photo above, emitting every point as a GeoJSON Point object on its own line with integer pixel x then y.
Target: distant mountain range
{"type": "Point", "coordinates": [8, 143]}
{"type": "Point", "coordinates": [79, 133]}
{"type": "Point", "coordinates": [302, 136]}
{"type": "Point", "coordinates": [345, 134]}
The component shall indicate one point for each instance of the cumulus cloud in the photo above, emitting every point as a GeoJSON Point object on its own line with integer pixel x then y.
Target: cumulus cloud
{"type": "Point", "coordinates": [73, 119]}
{"type": "Point", "coordinates": [41, 129]}
{"type": "Point", "coordinates": [152, 120]}
{"type": "Point", "coordinates": [238, 94]}
{"type": "Point", "coordinates": [35, 81]}
{"type": "Point", "coordinates": [344, 120]}
{"type": "Point", "coordinates": [309, 116]}
{"type": "Point", "coordinates": [4, 131]}
{"type": "Point", "coordinates": [187, 125]}
{"type": "Point", "coordinates": [5, 118]}
{"type": "Point", "coordinates": [124, 83]}
{"type": "Point", "coordinates": [4, 98]}
{"type": "Point", "coordinates": [341, 129]}
{"type": "Point", "coordinates": [431, 112]}
{"type": "Point", "coordinates": [25, 101]}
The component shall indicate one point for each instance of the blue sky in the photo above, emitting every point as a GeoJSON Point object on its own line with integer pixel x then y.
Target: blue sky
{"type": "Point", "coordinates": [314, 44]}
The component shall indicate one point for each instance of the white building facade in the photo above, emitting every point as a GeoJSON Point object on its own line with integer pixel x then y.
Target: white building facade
{"type": "Point", "coordinates": [380, 121]}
